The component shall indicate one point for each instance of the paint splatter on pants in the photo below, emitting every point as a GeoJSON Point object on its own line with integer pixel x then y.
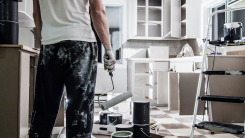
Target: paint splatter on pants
{"type": "Point", "coordinates": [73, 64]}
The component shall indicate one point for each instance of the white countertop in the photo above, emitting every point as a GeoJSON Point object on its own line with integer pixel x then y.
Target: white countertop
{"type": "Point", "coordinates": [148, 59]}
{"type": "Point", "coordinates": [183, 59]}
{"type": "Point", "coordinates": [186, 59]}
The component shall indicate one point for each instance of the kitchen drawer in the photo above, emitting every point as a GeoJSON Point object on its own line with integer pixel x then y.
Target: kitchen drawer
{"type": "Point", "coordinates": [161, 66]}
{"type": "Point", "coordinates": [182, 66]}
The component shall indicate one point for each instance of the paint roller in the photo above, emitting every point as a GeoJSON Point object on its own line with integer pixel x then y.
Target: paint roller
{"type": "Point", "coordinates": [116, 100]}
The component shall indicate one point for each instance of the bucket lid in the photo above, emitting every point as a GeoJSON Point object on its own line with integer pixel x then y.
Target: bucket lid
{"type": "Point", "coordinates": [115, 114]}
{"type": "Point", "coordinates": [141, 101]}
{"type": "Point", "coordinates": [233, 25]}
{"type": "Point", "coordinates": [123, 126]}
{"type": "Point", "coordinates": [105, 112]}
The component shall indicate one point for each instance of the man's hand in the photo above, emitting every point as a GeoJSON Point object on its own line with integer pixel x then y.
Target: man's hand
{"type": "Point", "coordinates": [109, 61]}
{"type": "Point", "coordinates": [101, 26]}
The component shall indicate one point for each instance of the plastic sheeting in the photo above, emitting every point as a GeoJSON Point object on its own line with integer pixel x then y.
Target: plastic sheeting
{"type": "Point", "coordinates": [186, 51]}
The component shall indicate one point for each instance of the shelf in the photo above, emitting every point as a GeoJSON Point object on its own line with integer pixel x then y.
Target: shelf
{"type": "Point", "coordinates": [141, 7]}
{"type": "Point", "coordinates": [141, 21]}
{"type": "Point", "coordinates": [183, 37]}
{"type": "Point", "coordinates": [143, 87]}
{"type": "Point", "coordinates": [168, 34]}
{"type": "Point", "coordinates": [155, 7]}
{"type": "Point", "coordinates": [183, 21]}
{"type": "Point", "coordinates": [143, 74]}
{"type": "Point", "coordinates": [183, 6]}
{"type": "Point", "coordinates": [155, 22]}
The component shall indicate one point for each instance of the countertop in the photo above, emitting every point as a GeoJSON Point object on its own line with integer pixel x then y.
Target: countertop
{"type": "Point", "coordinates": [22, 47]}
{"type": "Point", "coordinates": [183, 59]}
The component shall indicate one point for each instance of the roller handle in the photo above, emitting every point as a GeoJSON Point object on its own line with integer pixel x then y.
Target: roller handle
{"type": "Point", "coordinates": [110, 73]}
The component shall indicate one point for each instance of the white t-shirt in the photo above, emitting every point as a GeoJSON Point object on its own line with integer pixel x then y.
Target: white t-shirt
{"type": "Point", "coordinates": [65, 20]}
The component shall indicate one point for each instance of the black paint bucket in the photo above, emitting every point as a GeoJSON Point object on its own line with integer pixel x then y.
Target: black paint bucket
{"type": "Point", "coordinates": [114, 119]}
{"type": "Point", "coordinates": [9, 26]}
{"type": "Point", "coordinates": [9, 32]}
{"type": "Point", "coordinates": [141, 131]}
{"type": "Point", "coordinates": [122, 134]}
{"type": "Point", "coordinates": [141, 112]}
{"type": "Point", "coordinates": [103, 117]}
{"type": "Point", "coordinates": [124, 127]}
{"type": "Point", "coordinates": [233, 32]}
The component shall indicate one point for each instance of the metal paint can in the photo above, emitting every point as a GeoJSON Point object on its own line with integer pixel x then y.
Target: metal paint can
{"type": "Point", "coordinates": [141, 131]}
{"type": "Point", "coordinates": [114, 119]}
{"type": "Point", "coordinates": [233, 32]}
{"type": "Point", "coordinates": [122, 134]}
{"type": "Point", "coordinates": [125, 127]}
{"type": "Point", "coordinates": [141, 112]}
{"type": "Point", "coordinates": [103, 117]}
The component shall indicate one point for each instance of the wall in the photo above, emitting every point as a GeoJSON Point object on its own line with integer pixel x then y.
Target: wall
{"type": "Point", "coordinates": [26, 37]}
{"type": "Point", "coordinates": [174, 46]}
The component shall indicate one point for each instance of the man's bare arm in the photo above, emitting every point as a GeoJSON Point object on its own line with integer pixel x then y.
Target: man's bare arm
{"type": "Point", "coordinates": [100, 22]}
{"type": "Point", "coordinates": [102, 28]}
{"type": "Point", "coordinates": [37, 17]}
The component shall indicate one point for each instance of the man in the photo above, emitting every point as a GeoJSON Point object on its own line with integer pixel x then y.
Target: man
{"type": "Point", "coordinates": [68, 57]}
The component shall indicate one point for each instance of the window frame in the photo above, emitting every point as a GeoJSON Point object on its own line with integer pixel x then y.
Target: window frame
{"type": "Point", "coordinates": [206, 12]}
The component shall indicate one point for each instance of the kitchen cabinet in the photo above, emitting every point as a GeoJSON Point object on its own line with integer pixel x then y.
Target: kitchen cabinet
{"type": "Point", "coordinates": [154, 19]}
{"type": "Point", "coordinates": [16, 81]}
{"type": "Point", "coordinates": [25, 13]}
{"type": "Point", "coordinates": [142, 78]}
{"type": "Point", "coordinates": [18, 67]}
{"type": "Point", "coordinates": [186, 64]}
{"type": "Point", "coordinates": [191, 19]}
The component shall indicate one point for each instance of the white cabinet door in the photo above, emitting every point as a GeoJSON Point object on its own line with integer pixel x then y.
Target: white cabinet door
{"type": "Point", "coordinates": [162, 87]}
{"type": "Point", "coordinates": [132, 18]}
{"type": "Point", "coordinates": [182, 66]}
{"type": "Point", "coordinates": [166, 17]}
{"type": "Point", "coordinates": [175, 18]}
{"type": "Point", "coordinates": [161, 66]}
{"type": "Point", "coordinates": [193, 18]}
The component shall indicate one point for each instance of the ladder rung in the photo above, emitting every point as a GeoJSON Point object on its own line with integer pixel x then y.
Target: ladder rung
{"type": "Point", "coordinates": [218, 98]}
{"type": "Point", "coordinates": [218, 127]}
{"type": "Point", "coordinates": [224, 72]}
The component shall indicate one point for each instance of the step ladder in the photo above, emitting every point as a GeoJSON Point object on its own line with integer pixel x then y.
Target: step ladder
{"type": "Point", "coordinates": [214, 126]}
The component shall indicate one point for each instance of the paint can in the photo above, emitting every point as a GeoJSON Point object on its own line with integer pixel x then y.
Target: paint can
{"type": "Point", "coordinates": [125, 127]}
{"type": "Point", "coordinates": [114, 119]}
{"type": "Point", "coordinates": [141, 112]}
{"type": "Point", "coordinates": [103, 117]}
{"type": "Point", "coordinates": [233, 32]}
{"type": "Point", "coordinates": [141, 131]}
{"type": "Point", "coordinates": [122, 134]}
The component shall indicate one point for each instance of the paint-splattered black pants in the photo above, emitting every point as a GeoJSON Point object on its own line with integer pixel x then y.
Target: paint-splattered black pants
{"type": "Point", "coordinates": [73, 64]}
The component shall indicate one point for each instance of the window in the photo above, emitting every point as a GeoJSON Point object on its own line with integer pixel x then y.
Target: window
{"type": "Point", "coordinates": [218, 21]}
{"type": "Point", "coordinates": [237, 16]}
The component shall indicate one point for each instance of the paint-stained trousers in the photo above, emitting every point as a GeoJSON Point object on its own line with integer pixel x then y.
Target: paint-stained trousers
{"type": "Point", "coordinates": [73, 64]}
